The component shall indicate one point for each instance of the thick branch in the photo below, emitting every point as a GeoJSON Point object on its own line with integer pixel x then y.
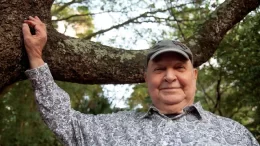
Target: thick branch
{"type": "Point", "coordinates": [83, 61]}
{"type": "Point", "coordinates": [206, 39]}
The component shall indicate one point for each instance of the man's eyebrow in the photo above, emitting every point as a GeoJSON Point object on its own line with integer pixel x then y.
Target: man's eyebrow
{"type": "Point", "coordinates": [158, 64]}
{"type": "Point", "coordinates": [182, 62]}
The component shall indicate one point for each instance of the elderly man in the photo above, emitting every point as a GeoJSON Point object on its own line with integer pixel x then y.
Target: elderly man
{"type": "Point", "coordinates": [173, 119]}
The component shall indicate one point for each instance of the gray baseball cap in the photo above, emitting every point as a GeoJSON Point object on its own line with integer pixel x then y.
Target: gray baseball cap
{"type": "Point", "coordinates": [169, 46]}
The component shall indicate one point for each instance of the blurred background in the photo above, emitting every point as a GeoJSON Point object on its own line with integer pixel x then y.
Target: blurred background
{"type": "Point", "coordinates": [228, 84]}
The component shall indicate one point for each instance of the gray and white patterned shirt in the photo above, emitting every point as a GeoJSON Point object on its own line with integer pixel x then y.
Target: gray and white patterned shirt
{"type": "Point", "coordinates": [196, 127]}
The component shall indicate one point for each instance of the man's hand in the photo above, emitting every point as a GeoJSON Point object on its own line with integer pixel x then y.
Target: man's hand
{"type": "Point", "coordinates": [34, 43]}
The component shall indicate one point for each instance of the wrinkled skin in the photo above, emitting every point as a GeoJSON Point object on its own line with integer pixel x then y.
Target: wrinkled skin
{"type": "Point", "coordinates": [34, 43]}
{"type": "Point", "coordinates": [171, 81]}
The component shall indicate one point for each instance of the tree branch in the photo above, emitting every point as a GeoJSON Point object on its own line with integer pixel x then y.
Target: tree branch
{"type": "Point", "coordinates": [177, 22]}
{"type": "Point", "coordinates": [81, 15]}
{"type": "Point", "coordinates": [211, 32]}
{"type": "Point", "coordinates": [131, 20]}
{"type": "Point", "coordinates": [218, 96]}
{"type": "Point", "coordinates": [66, 5]}
{"type": "Point", "coordinates": [122, 24]}
{"type": "Point", "coordinates": [83, 61]}
{"type": "Point", "coordinates": [206, 94]}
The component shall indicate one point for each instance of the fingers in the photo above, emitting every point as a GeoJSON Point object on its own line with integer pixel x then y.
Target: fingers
{"type": "Point", "coordinates": [36, 17]}
{"type": "Point", "coordinates": [32, 21]}
{"type": "Point", "coordinates": [26, 30]}
{"type": "Point", "coordinates": [37, 24]}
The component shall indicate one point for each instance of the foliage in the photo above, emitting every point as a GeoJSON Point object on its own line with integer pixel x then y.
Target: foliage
{"type": "Point", "coordinates": [229, 87]}
{"type": "Point", "coordinates": [88, 99]}
{"type": "Point", "coordinates": [20, 120]}
{"type": "Point", "coordinates": [188, 19]}
{"type": "Point", "coordinates": [139, 98]}
{"type": "Point", "coordinates": [76, 17]}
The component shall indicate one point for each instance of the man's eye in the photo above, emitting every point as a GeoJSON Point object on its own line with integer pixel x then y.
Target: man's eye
{"type": "Point", "coordinates": [158, 69]}
{"type": "Point", "coordinates": [180, 67]}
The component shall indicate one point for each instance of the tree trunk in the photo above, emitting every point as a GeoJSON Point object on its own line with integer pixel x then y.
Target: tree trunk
{"type": "Point", "coordinates": [84, 61]}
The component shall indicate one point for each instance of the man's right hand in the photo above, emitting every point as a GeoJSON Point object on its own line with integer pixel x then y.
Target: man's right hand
{"type": "Point", "coordinates": [34, 43]}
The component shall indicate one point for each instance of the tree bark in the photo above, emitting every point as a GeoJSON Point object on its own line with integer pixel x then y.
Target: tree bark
{"type": "Point", "coordinates": [83, 61]}
{"type": "Point", "coordinates": [206, 39]}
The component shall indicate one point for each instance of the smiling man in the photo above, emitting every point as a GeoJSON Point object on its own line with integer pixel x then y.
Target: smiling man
{"type": "Point", "coordinates": [172, 120]}
{"type": "Point", "coordinates": [170, 76]}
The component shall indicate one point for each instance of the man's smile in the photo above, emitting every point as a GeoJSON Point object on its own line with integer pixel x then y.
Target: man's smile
{"type": "Point", "coordinates": [169, 88]}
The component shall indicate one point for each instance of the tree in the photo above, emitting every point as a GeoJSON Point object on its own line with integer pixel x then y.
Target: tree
{"type": "Point", "coordinates": [20, 119]}
{"type": "Point", "coordinates": [139, 99]}
{"type": "Point", "coordinates": [63, 13]}
{"type": "Point", "coordinates": [68, 56]}
{"type": "Point", "coordinates": [71, 55]}
{"type": "Point", "coordinates": [21, 124]}
{"type": "Point", "coordinates": [229, 87]}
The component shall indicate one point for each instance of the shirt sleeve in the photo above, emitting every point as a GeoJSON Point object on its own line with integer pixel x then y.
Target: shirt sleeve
{"type": "Point", "coordinates": [55, 109]}
{"type": "Point", "coordinates": [238, 134]}
{"type": "Point", "coordinates": [248, 139]}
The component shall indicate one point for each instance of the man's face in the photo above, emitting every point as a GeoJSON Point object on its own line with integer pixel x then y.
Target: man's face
{"type": "Point", "coordinates": [171, 81]}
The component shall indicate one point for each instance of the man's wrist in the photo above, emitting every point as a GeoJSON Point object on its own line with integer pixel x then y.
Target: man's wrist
{"type": "Point", "coordinates": [34, 63]}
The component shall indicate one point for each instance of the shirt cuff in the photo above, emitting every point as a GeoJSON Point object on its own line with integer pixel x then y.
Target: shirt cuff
{"type": "Point", "coordinates": [38, 76]}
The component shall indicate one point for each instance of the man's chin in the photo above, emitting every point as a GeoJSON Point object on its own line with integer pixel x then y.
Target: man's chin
{"type": "Point", "coordinates": [175, 101]}
{"type": "Point", "coordinates": [172, 99]}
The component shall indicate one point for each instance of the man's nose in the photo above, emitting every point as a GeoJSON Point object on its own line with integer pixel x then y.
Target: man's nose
{"type": "Point", "coordinates": [170, 75]}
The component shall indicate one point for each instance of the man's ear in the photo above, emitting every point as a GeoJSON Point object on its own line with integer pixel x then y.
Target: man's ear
{"type": "Point", "coordinates": [195, 72]}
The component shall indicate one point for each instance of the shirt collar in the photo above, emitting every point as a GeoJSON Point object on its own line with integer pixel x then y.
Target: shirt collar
{"type": "Point", "coordinates": [194, 109]}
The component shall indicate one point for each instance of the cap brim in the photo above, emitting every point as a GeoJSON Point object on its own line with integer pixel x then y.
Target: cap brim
{"type": "Point", "coordinates": [169, 50]}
